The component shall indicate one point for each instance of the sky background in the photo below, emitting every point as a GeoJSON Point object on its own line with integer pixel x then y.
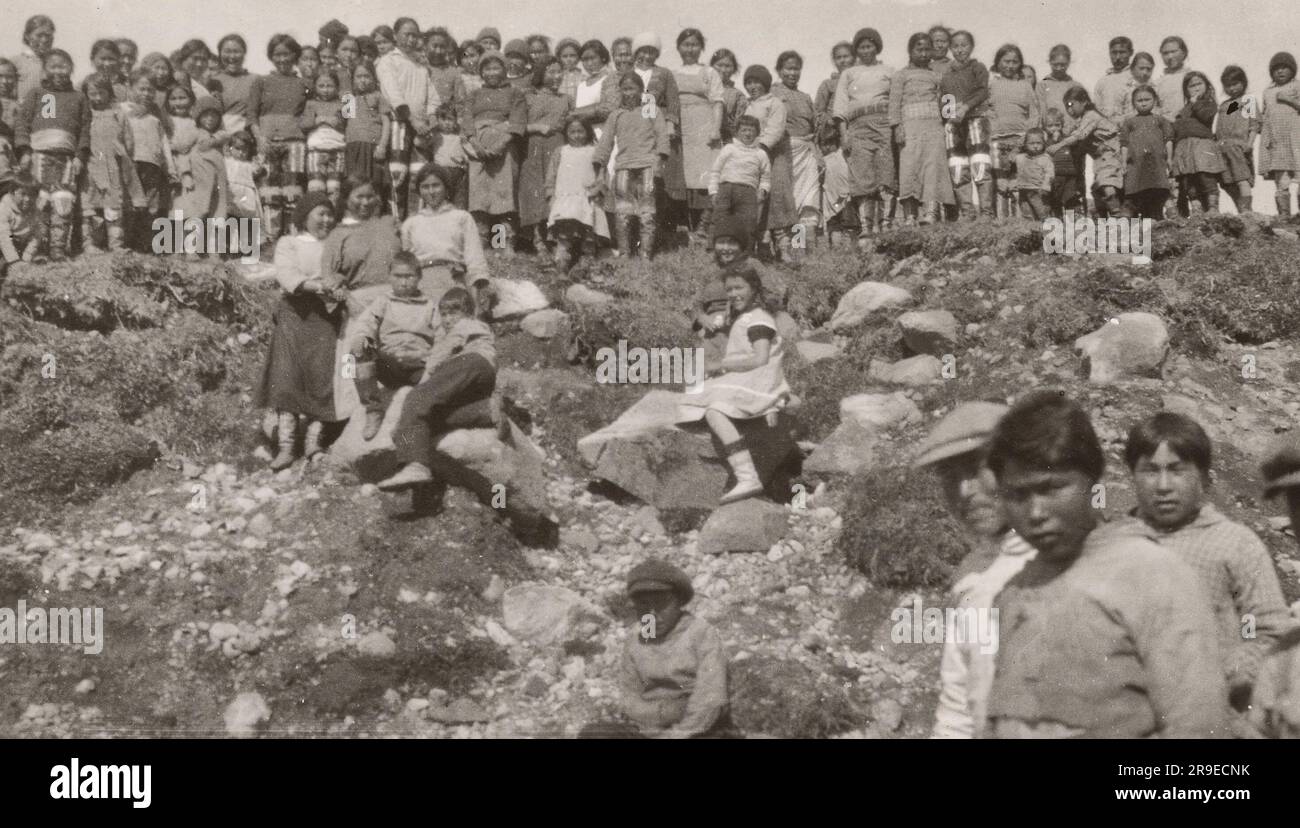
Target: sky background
{"type": "Point", "coordinates": [1218, 32]}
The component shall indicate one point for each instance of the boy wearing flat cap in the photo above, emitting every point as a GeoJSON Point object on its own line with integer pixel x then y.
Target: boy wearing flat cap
{"type": "Point", "coordinates": [674, 671]}
{"type": "Point", "coordinates": [1276, 701]}
{"type": "Point", "coordinates": [955, 449]}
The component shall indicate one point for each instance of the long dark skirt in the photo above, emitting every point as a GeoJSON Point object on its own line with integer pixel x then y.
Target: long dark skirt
{"type": "Point", "coordinates": [300, 370]}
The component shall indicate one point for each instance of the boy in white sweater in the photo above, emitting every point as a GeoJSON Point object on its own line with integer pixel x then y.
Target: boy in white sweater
{"type": "Point", "coordinates": [740, 178]}
{"type": "Point", "coordinates": [21, 227]}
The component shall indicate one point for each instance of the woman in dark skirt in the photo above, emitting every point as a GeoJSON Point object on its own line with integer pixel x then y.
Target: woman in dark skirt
{"type": "Point", "coordinates": [298, 380]}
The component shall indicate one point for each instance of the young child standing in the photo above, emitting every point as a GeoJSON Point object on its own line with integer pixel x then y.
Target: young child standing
{"type": "Point", "coordinates": [205, 187]}
{"type": "Point", "coordinates": [369, 129]}
{"type": "Point", "coordinates": [1280, 144]}
{"type": "Point", "coordinates": [469, 54]}
{"type": "Point", "coordinates": [966, 127]}
{"type": "Point", "coordinates": [838, 217]}
{"type": "Point", "coordinates": [392, 340]}
{"type": "Point", "coordinates": [449, 155]}
{"type": "Point", "coordinates": [1099, 138]}
{"type": "Point", "coordinates": [1235, 130]}
{"type": "Point", "coordinates": [674, 669]}
{"type": "Point", "coordinates": [573, 189]}
{"type": "Point", "coordinates": [1034, 170]}
{"type": "Point", "coordinates": [54, 132]}
{"type": "Point", "coordinates": [1197, 161]}
{"type": "Point", "coordinates": [740, 179]}
{"type": "Point", "coordinates": [1146, 142]}
{"type": "Point", "coordinates": [461, 369]}
{"type": "Point", "coordinates": [323, 124]}
{"type": "Point", "coordinates": [183, 134]}
{"type": "Point", "coordinates": [1013, 109]}
{"type": "Point", "coordinates": [642, 136]}
{"type": "Point", "coordinates": [110, 170]}
{"type": "Point", "coordinates": [547, 109]}
{"type": "Point", "coordinates": [1067, 173]}
{"type": "Point", "coordinates": [914, 114]}
{"type": "Point", "coordinates": [22, 226]}
{"type": "Point", "coordinates": [154, 166]}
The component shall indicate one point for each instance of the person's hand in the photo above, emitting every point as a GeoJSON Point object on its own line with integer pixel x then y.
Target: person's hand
{"type": "Point", "coordinates": [1052, 149]}
{"type": "Point", "coordinates": [961, 111]}
{"type": "Point", "coordinates": [77, 167]}
{"type": "Point", "coordinates": [187, 182]}
{"type": "Point", "coordinates": [705, 321]}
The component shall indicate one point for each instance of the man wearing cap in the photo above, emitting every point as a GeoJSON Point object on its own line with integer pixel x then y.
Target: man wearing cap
{"type": "Point", "coordinates": [674, 670]}
{"type": "Point", "coordinates": [955, 450]}
{"type": "Point", "coordinates": [1276, 701]}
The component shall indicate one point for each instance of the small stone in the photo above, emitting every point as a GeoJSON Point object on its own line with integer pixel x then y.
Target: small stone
{"type": "Point", "coordinates": [406, 595]}
{"type": "Point", "coordinates": [536, 686]}
{"type": "Point", "coordinates": [415, 705]}
{"type": "Point", "coordinates": [498, 634]}
{"type": "Point", "coordinates": [888, 714]}
{"type": "Point", "coordinates": [495, 589]}
{"type": "Point", "coordinates": [245, 713]}
{"type": "Point", "coordinates": [222, 630]}
{"type": "Point", "coordinates": [260, 525]}
{"type": "Point", "coordinates": [376, 645]}
{"type": "Point", "coordinates": [369, 490]}
{"type": "Point", "coordinates": [86, 685]}
{"type": "Point", "coordinates": [544, 324]}
{"type": "Point", "coordinates": [38, 542]}
{"type": "Point", "coordinates": [123, 529]}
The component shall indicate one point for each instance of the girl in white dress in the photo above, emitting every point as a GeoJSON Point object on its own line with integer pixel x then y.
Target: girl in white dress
{"type": "Point", "coordinates": [748, 382]}
{"type": "Point", "coordinates": [574, 191]}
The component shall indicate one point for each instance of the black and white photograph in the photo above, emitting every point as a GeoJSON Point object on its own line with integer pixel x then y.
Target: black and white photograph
{"type": "Point", "coordinates": [563, 371]}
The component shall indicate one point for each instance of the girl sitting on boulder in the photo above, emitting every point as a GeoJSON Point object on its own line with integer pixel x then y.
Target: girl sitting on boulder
{"type": "Point", "coordinates": [748, 381]}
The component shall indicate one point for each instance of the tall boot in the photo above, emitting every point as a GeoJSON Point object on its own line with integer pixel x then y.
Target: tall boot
{"type": "Point", "coordinates": [367, 385]}
{"type": "Point", "coordinates": [60, 235]}
{"type": "Point", "coordinates": [1210, 201]}
{"type": "Point", "coordinates": [1243, 202]}
{"type": "Point", "coordinates": [966, 200]}
{"type": "Point", "coordinates": [781, 246]}
{"type": "Point", "coordinates": [930, 213]}
{"type": "Point", "coordinates": [623, 235]}
{"type": "Point", "coordinates": [563, 255]}
{"type": "Point", "coordinates": [985, 190]}
{"type": "Point", "coordinates": [648, 238]}
{"type": "Point", "coordinates": [116, 238]}
{"type": "Point", "coordinates": [90, 223]}
{"type": "Point", "coordinates": [747, 481]}
{"type": "Point", "coordinates": [884, 211]}
{"type": "Point", "coordinates": [287, 428]}
{"type": "Point", "coordinates": [1283, 202]}
{"type": "Point", "coordinates": [865, 223]}
{"type": "Point", "coordinates": [311, 440]}
{"type": "Point", "coordinates": [272, 217]}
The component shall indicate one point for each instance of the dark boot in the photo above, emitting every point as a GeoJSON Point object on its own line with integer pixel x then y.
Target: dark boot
{"type": "Point", "coordinates": [90, 224]}
{"type": "Point", "coordinates": [648, 238]}
{"type": "Point", "coordinates": [930, 213]}
{"type": "Point", "coordinates": [623, 235]}
{"type": "Point", "coordinates": [1283, 202]}
{"type": "Point", "coordinates": [987, 199]}
{"type": "Point", "coordinates": [60, 236]}
{"type": "Point", "coordinates": [368, 391]}
{"type": "Point", "coordinates": [287, 433]}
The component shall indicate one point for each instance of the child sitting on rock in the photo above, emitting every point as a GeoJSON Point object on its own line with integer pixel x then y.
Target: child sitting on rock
{"type": "Point", "coordinates": [461, 369]}
{"type": "Point", "coordinates": [398, 330]}
{"type": "Point", "coordinates": [674, 671]}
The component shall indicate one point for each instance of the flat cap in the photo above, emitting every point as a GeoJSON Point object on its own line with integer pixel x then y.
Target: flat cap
{"type": "Point", "coordinates": [1282, 465]}
{"type": "Point", "coordinates": [967, 427]}
{"type": "Point", "coordinates": [654, 575]}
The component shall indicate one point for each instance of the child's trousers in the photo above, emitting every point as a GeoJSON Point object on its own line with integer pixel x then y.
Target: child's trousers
{"type": "Point", "coordinates": [460, 380]}
{"type": "Point", "coordinates": [739, 201]}
{"type": "Point", "coordinates": [1032, 205]}
{"type": "Point", "coordinates": [1146, 204]}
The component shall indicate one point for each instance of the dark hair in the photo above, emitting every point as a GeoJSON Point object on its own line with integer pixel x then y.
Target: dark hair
{"type": "Point", "coordinates": [1006, 49]}
{"type": "Point", "coordinates": [99, 82]}
{"type": "Point", "coordinates": [432, 170]}
{"type": "Point", "coordinates": [285, 40]}
{"type": "Point", "coordinates": [243, 44]}
{"type": "Point", "coordinates": [1078, 93]}
{"type": "Point", "coordinates": [1045, 430]}
{"type": "Point", "coordinates": [787, 55]}
{"type": "Point", "coordinates": [1184, 435]}
{"type": "Point", "coordinates": [533, 38]}
{"type": "Point", "coordinates": [748, 120]}
{"type": "Point", "coordinates": [104, 44]}
{"type": "Point", "coordinates": [843, 44]}
{"type": "Point", "coordinates": [439, 31]}
{"type": "Point", "coordinates": [1182, 44]}
{"type": "Point", "coordinates": [828, 134]}
{"type": "Point", "coordinates": [1139, 56]}
{"type": "Point", "coordinates": [35, 22]}
{"type": "Point", "coordinates": [538, 76]}
{"type": "Point", "coordinates": [192, 46]}
{"type": "Point", "coordinates": [53, 53]}
{"type": "Point", "coordinates": [965, 34]}
{"type": "Point", "coordinates": [747, 272]}
{"type": "Point", "coordinates": [401, 21]}
{"type": "Point", "coordinates": [1145, 87]}
{"type": "Point", "coordinates": [23, 181]}
{"type": "Point", "coordinates": [1233, 74]}
{"type": "Point", "coordinates": [456, 300]}
{"type": "Point", "coordinates": [634, 77]}
{"type": "Point", "coordinates": [568, 42]}
{"type": "Point", "coordinates": [723, 54]}
{"type": "Point", "coordinates": [134, 46]}
{"type": "Point", "coordinates": [868, 34]}
{"type": "Point", "coordinates": [446, 110]}
{"type": "Point", "coordinates": [184, 87]}
{"type": "Point", "coordinates": [1209, 87]}
{"type": "Point", "coordinates": [586, 127]}
{"type": "Point", "coordinates": [325, 73]}
{"type": "Point", "coordinates": [367, 64]}
{"type": "Point", "coordinates": [1058, 49]}
{"type": "Point", "coordinates": [1034, 131]}
{"type": "Point", "coordinates": [686, 33]}
{"type": "Point", "coordinates": [1281, 59]}
{"type": "Point", "coordinates": [407, 258]}
{"type": "Point", "coordinates": [915, 39]}
{"type": "Point", "coordinates": [1120, 40]}
{"type": "Point", "coordinates": [618, 40]}
{"type": "Point", "coordinates": [939, 27]}
{"type": "Point", "coordinates": [245, 141]}
{"type": "Point", "coordinates": [383, 31]}
{"type": "Point", "coordinates": [596, 46]}
{"type": "Point", "coordinates": [1054, 115]}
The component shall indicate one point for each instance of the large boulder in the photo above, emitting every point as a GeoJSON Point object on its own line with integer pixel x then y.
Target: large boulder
{"type": "Point", "coordinates": [545, 614]}
{"type": "Point", "coordinates": [544, 324]}
{"type": "Point", "coordinates": [1129, 345]}
{"type": "Point", "coordinates": [647, 455]}
{"type": "Point", "coordinates": [929, 332]}
{"type": "Point", "coordinates": [913, 371]}
{"type": "Point", "coordinates": [470, 455]}
{"type": "Point", "coordinates": [517, 298]}
{"type": "Point", "coordinates": [746, 526]}
{"type": "Point", "coordinates": [816, 351]}
{"type": "Point", "coordinates": [581, 296]}
{"type": "Point", "coordinates": [848, 450]}
{"type": "Point", "coordinates": [862, 300]}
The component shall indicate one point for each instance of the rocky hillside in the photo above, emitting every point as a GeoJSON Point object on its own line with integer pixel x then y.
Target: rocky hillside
{"type": "Point", "coordinates": [305, 602]}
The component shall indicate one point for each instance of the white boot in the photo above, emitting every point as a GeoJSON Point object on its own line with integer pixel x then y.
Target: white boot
{"type": "Point", "coordinates": [747, 482]}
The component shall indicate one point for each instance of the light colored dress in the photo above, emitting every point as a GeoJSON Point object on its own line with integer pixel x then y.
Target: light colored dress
{"type": "Point", "coordinates": [1279, 146]}
{"type": "Point", "coordinates": [699, 89]}
{"type": "Point", "coordinates": [206, 164]}
{"type": "Point", "coordinates": [800, 130]}
{"type": "Point", "coordinates": [571, 173]}
{"type": "Point", "coordinates": [742, 395]}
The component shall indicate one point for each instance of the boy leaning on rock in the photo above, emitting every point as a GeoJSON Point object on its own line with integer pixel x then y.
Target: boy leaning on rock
{"type": "Point", "coordinates": [674, 671]}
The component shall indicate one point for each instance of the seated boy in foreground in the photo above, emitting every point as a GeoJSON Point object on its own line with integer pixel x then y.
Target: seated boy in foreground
{"type": "Point", "coordinates": [461, 369]}
{"type": "Point", "coordinates": [674, 671]}
{"type": "Point", "coordinates": [398, 330]}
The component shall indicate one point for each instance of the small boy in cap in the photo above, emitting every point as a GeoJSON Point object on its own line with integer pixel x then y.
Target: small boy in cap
{"type": "Point", "coordinates": [1276, 701]}
{"type": "Point", "coordinates": [955, 449]}
{"type": "Point", "coordinates": [674, 671]}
